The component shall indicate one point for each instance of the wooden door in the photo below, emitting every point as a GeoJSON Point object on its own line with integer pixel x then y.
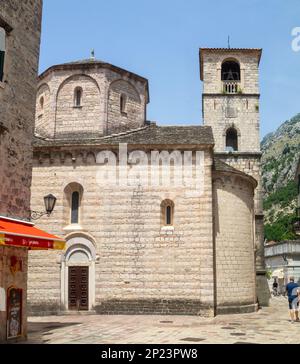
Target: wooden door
{"type": "Point", "coordinates": [78, 288]}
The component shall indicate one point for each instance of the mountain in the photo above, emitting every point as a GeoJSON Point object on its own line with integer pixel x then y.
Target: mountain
{"type": "Point", "coordinates": [281, 151]}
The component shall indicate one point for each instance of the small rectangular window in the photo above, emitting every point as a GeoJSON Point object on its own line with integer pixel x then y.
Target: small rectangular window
{"type": "Point", "coordinates": [169, 215]}
{"type": "Point", "coordinates": [78, 97]}
{"type": "Point", "coordinates": [167, 212]}
{"type": "Point", "coordinates": [123, 101]}
{"type": "Point", "coordinates": [75, 208]}
{"type": "Point", "coordinates": [2, 54]}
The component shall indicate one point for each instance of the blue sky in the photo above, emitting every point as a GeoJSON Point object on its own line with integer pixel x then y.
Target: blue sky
{"type": "Point", "coordinates": [160, 40]}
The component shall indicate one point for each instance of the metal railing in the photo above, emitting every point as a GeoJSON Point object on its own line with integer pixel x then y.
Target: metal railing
{"type": "Point", "coordinates": [231, 87]}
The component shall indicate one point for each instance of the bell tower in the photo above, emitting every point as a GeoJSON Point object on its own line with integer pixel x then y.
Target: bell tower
{"type": "Point", "coordinates": [230, 104]}
{"type": "Point", "coordinates": [231, 97]}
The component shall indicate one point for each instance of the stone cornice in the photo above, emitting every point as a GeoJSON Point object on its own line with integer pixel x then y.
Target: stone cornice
{"type": "Point", "coordinates": [218, 94]}
{"type": "Point", "coordinates": [89, 153]}
{"type": "Point", "coordinates": [238, 154]}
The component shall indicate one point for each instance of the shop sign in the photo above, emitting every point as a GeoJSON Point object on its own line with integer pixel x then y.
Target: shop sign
{"type": "Point", "coordinates": [14, 312]}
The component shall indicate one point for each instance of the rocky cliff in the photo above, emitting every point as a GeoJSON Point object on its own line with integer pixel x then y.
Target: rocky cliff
{"type": "Point", "coordinates": [281, 151]}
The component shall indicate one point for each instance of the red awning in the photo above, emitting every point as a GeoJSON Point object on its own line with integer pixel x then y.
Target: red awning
{"type": "Point", "coordinates": [23, 234]}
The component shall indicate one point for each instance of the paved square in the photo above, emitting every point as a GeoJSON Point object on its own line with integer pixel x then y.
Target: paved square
{"type": "Point", "coordinates": [269, 325]}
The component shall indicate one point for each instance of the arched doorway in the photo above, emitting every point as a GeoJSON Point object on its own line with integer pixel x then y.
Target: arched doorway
{"type": "Point", "coordinates": [78, 275]}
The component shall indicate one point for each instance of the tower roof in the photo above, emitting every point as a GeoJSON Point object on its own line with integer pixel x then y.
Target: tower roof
{"type": "Point", "coordinates": [220, 166]}
{"type": "Point", "coordinates": [202, 51]}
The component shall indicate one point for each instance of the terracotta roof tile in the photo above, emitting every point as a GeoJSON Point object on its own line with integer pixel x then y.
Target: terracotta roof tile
{"type": "Point", "coordinates": [149, 135]}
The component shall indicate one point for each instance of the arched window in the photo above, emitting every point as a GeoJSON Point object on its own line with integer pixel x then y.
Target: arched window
{"type": "Point", "coordinates": [231, 71]}
{"type": "Point", "coordinates": [167, 213]}
{"type": "Point", "coordinates": [231, 140]}
{"type": "Point", "coordinates": [75, 207]}
{"type": "Point", "coordinates": [123, 101]}
{"type": "Point", "coordinates": [78, 97]}
{"type": "Point", "coordinates": [2, 51]}
{"type": "Point", "coordinates": [72, 204]}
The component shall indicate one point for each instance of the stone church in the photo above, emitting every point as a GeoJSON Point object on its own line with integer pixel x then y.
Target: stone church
{"type": "Point", "coordinates": [144, 248]}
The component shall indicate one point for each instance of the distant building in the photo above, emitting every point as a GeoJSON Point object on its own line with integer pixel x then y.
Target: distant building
{"type": "Point", "coordinates": [283, 261]}
{"type": "Point", "coordinates": [297, 178]}
{"type": "Point", "coordinates": [283, 258]}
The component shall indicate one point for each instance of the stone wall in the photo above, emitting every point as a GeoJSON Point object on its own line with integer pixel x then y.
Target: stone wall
{"type": "Point", "coordinates": [22, 22]}
{"type": "Point", "coordinates": [140, 266]}
{"type": "Point", "coordinates": [251, 165]}
{"type": "Point", "coordinates": [44, 282]}
{"type": "Point", "coordinates": [42, 109]}
{"type": "Point", "coordinates": [245, 119]}
{"type": "Point", "coordinates": [100, 112]}
{"type": "Point", "coordinates": [72, 118]}
{"type": "Point", "coordinates": [17, 103]}
{"type": "Point", "coordinates": [134, 115]}
{"type": "Point", "coordinates": [235, 268]}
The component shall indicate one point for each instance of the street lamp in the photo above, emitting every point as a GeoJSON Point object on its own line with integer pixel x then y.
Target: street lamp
{"type": "Point", "coordinates": [49, 202]}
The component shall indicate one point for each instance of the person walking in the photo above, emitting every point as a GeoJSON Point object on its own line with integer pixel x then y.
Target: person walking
{"type": "Point", "coordinates": [275, 287]}
{"type": "Point", "coordinates": [292, 292]}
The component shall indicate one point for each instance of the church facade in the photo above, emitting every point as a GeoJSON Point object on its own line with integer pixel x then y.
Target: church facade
{"type": "Point", "coordinates": [157, 219]}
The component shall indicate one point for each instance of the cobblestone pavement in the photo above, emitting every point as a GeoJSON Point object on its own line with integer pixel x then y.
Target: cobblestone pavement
{"type": "Point", "coordinates": [269, 325]}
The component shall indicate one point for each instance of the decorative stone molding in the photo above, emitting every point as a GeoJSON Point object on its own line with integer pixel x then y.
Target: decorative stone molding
{"type": "Point", "coordinates": [78, 244]}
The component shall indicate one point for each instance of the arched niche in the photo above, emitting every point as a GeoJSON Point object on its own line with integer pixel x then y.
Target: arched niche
{"type": "Point", "coordinates": [78, 105]}
{"type": "Point", "coordinates": [68, 206]}
{"type": "Point", "coordinates": [125, 109]}
{"type": "Point", "coordinates": [42, 118]}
